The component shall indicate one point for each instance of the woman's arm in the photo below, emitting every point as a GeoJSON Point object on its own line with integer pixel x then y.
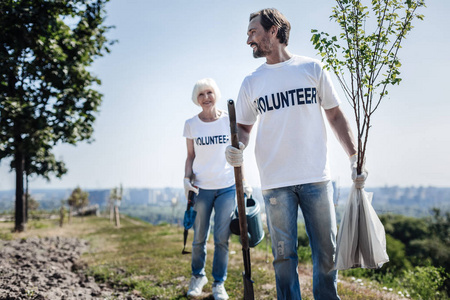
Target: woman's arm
{"type": "Point", "coordinates": [188, 172]}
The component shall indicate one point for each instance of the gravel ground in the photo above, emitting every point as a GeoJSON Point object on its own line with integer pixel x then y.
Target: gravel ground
{"type": "Point", "coordinates": [49, 268]}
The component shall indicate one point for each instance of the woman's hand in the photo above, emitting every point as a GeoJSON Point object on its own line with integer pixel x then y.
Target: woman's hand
{"type": "Point", "coordinates": [247, 188]}
{"type": "Point", "coordinates": [189, 187]}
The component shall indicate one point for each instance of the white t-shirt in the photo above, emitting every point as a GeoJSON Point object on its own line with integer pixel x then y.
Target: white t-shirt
{"type": "Point", "coordinates": [210, 167]}
{"type": "Point", "coordinates": [291, 142]}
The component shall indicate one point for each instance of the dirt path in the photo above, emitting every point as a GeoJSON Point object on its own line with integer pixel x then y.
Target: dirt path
{"type": "Point", "coordinates": [49, 268]}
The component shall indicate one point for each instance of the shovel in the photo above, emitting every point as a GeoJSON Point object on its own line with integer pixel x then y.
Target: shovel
{"type": "Point", "coordinates": [248, 282]}
{"type": "Point", "coordinates": [189, 218]}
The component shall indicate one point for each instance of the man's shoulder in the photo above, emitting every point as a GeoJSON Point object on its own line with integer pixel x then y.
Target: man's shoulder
{"type": "Point", "coordinates": [256, 71]}
{"type": "Point", "coordinates": [306, 60]}
{"type": "Point", "coordinates": [306, 63]}
{"type": "Point", "coordinates": [252, 76]}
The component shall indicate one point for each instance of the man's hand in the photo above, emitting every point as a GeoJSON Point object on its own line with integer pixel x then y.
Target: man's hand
{"type": "Point", "coordinates": [234, 156]}
{"type": "Point", "coordinates": [189, 187]}
{"type": "Point", "coordinates": [360, 179]}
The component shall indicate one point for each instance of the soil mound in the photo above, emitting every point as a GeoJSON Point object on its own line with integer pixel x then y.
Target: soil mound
{"type": "Point", "coordinates": [50, 268]}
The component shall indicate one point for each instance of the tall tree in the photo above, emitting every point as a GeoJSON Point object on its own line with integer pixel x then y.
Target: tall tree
{"type": "Point", "coordinates": [78, 198]}
{"type": "Point", "coordinates": [47, 92]}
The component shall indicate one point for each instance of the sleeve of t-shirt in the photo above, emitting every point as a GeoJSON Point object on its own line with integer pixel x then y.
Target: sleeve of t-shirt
{"type": "Point", "coordinates": [187, 130]}
{"type": "Point", "coordinates": [327, 93]}
{"type": "Point", "coordinates": [245, 112]}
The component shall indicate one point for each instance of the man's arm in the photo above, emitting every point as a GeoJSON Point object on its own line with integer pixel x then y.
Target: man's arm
{"type": "Point", "coordinates": [244, 133]}
{"type": "Point", "coordinates": [341, 129]}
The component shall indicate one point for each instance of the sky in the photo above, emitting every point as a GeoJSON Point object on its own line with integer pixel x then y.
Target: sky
{"type": "Point", "coordinates": [164, 47]}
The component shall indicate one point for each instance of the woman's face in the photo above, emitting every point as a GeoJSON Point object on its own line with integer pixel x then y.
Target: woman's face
{"type": "Point", "coordinates": [206, 98]}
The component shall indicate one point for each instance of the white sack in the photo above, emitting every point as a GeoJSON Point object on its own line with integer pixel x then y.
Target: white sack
{"type": "Point", "coordinates": [361, 240]}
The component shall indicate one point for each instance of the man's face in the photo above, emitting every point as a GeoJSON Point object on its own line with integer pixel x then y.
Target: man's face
{"type": "Point", "coordinates": [258, 38]}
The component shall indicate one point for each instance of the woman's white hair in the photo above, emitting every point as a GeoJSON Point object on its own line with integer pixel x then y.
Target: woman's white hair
{"type": "Point", "coordinates": [203, 84]}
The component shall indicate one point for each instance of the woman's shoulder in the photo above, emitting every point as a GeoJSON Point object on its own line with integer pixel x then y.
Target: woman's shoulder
{"type": "Point", "coordinates": [195, 120]}
{"type": "Point", "coordinates": [224, 116]}
{"type": "Point", "coordinates": [192, 119]}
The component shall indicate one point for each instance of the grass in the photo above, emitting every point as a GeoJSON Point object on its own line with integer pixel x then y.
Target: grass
{"type": "Point", "coordinates": [147, 259]}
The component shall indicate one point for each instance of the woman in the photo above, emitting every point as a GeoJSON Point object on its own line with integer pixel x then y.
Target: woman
{"type": "Point", "coordinates": [207, 135]}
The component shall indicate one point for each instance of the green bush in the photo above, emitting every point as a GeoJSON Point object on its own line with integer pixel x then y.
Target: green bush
{"type": "Point", "coordinates": [359, 273]}
{"type": "Point", "coordinates": [398, 260]}
{"type": "Point", "coordinates": [302, 237]}
{"type": "Point", "coordinates": [424, 282]}
{"type": "Point", "coordinates": [304, 254]}
{"type": "Point", "coordinates": [304, 250]}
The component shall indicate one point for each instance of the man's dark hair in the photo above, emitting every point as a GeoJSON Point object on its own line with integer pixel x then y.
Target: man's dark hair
{"type": "Point", "coordinates": [272, 17]}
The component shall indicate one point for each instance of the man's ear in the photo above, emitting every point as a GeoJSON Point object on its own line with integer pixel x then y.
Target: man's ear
{"type": "Point", "coordinates": [274, 30]}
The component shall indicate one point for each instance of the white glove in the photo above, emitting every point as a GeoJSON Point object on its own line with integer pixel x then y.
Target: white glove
{"type": "Point", "coordinates": [360, 179]}
{"type": "Point", "coordinates": [234, 156]}
{"type": "Point", "coordinates": [189, 187]}
{"type": "Point", "coordinates": [247, 188]}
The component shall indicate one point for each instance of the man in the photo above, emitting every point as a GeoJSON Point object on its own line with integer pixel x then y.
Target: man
{"type": "Point", "coordinates": [287, 94]}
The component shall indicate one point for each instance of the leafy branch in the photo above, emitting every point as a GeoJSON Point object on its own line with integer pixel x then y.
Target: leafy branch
{"type": "Point", "coordinates": [366, 63]}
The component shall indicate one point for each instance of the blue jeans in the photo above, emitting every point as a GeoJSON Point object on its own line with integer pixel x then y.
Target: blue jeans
{"type": "Point", "coordinates": [316, 203]}
{"type": "Point", "coordinates": [223, 202]}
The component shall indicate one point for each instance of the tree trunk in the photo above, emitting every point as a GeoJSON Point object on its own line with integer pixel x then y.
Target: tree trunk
{"type": "Point", "coordinates": [20, 203]}
{"type": "Point", "coordinates": [117, 215]}
{"type": "Point", "coordinates": [19, 160]}
{"type": "Point", "coordinates": [61, 216]}
{"type": "Point", "coordinates": [26, 198]}
{"type": "Point", "coordinates": [111, 213]}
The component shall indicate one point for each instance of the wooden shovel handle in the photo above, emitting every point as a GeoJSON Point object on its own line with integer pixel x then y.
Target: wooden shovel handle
{"type": "Point", "coordinates": [238, 178]}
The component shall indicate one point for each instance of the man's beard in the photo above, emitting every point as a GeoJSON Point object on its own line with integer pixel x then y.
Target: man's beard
{"type": "Point", "coordinates": [262, 49]}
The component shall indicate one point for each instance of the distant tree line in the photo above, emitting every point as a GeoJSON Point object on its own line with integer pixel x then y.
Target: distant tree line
{"type": "Point", "coordinates": [154, 214]}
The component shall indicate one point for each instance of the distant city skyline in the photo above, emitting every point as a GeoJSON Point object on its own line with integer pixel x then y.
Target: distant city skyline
{"type": "Point", "coordinates": [410, 201]}
{"type": "Point", "coordinates": [166, 46]}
